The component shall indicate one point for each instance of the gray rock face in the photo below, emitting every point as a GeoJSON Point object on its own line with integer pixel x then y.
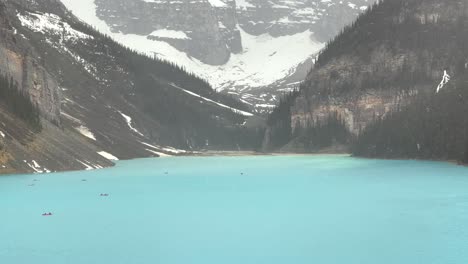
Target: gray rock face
{"type": "Point", "coordinates": [212, 28]}
{"type": "Point", "coordinates": [210, 34]}
{"type": "Point", "coordinates": [341, 85]}
{"type": "Point", "coordinates": [21, 62]}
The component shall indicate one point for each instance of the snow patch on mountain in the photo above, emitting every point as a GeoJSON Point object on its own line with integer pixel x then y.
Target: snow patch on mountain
{"type": "Point", "coordinates": [51, 24]}
{"type": "Point", "coordinates": [128, 119]}
{"type": "Point", "coordinates": [36, 167]}
{"type": "Point", "coordinates": [85, 132]}
{"type": "Point", "coordinates": [107, 155]}
{"type": "Point", "coordinates": [445, 80]}
{"type": "Point", "coordinates": [52, 27]}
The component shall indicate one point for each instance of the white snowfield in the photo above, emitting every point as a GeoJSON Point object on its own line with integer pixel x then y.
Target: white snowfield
{"type": "Point", "coordinates": [264, 59]}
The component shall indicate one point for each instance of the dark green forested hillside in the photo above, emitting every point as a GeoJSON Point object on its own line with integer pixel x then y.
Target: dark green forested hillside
{"type": "Point", "coordinates": [377, 79]}
{"type": "Point", "coordinates": [433, 126]}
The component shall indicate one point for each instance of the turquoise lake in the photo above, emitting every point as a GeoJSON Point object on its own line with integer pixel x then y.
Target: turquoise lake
{"type": "Point", "coordinates": [239, 210]}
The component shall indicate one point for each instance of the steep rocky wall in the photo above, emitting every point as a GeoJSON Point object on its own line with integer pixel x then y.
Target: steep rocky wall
{"type": "Point", "coordinates": [209, 38]}
{"type": "Point", "coordinates": [19, 61]}
{"type": "Point", "coordinates": [378, 76]}
{"type": "Point", "coordinates": [343, 86]}
{"type": "Point", "coordinates": [357, 111]}
{"type": "Point", "coordinates": [23, 148]}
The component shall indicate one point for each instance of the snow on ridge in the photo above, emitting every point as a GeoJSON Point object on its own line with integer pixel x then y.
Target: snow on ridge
{"type": "Point", "coordinates": [128, 119]}
{"type": "Point", "coordinates": [237, 111]}
{"type": "Point", "coordinates": [51, 24]}
{"type": "Point", "coordinates": [107, 155]}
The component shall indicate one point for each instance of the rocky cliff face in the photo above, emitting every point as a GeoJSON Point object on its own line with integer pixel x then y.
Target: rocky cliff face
{"type": "Point", "coordinates": [33, 78]}
{"type": "Point", "coordinates": [251, 49]}
{"type": "Point", "coordinates": [22, 148]}
{"type": "Point", "coordinates": [282, 18]}
{"type": "Point", "coordinates": [21, 62]}
{"type": "Point", "coordinates": [368, 84]}
{"type": "Point", "coordinates": [349, 87]}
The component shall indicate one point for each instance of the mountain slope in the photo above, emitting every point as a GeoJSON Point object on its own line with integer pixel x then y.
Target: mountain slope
{"type": "Point", "coordinates": [396, 52]}
{"type": "Point", "coordinates": [94, 94]}
{"type": "Point", "coordinates": [240, 47]}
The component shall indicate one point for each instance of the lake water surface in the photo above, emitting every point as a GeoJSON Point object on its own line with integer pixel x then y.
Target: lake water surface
{"type": "Point", "coordinates": [282, 210]}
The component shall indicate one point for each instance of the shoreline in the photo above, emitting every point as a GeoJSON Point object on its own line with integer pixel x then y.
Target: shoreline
{"type": "Point", "coordinates": [221, 153]}
{"type": "Point", "coordinates": [254, 153]}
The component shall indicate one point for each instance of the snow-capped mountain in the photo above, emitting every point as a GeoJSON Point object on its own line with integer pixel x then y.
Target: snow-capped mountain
{"type": "Point", "coordinates": [249, 48]}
